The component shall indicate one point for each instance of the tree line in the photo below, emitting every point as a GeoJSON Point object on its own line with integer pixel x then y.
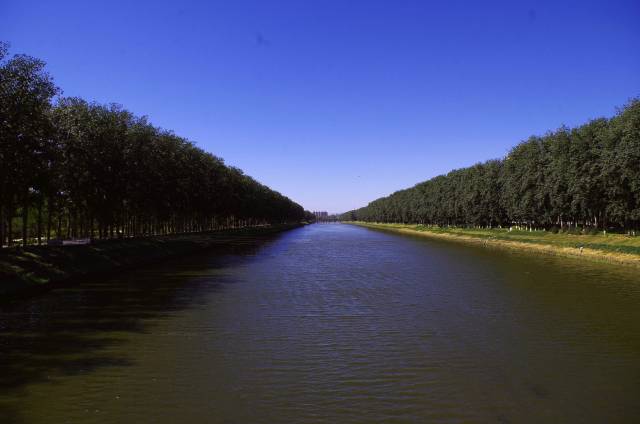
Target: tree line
{"type": "Point", "coordinates": [72, 168]}
{"type": "Point", "coordinates": [580, 179]}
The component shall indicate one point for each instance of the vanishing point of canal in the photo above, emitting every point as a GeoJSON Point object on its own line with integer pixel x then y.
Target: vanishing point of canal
{"type": "Point", "coordinates": [331, 323]}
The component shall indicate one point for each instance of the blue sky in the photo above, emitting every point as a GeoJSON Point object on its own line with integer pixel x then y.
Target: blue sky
{"type": "Point", "coordinates": [336, 103]}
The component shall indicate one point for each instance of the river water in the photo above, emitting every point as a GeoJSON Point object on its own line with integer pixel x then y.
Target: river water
{"type": "Point", "coordinates": [331, 323]}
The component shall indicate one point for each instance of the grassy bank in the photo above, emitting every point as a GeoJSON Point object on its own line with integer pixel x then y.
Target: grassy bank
{"type": "Point", "coordinates": [27, 271]}
{"type": "Point", "coordinates": [615, 248]}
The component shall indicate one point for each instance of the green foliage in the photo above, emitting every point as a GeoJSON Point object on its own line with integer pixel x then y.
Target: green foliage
{"type": "Point", "coordinates": [89, 169]}
{"type": "Point", "coordinates": [580, 180]}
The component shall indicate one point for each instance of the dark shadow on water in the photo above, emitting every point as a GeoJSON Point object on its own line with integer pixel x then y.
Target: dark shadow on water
{"type": "Point", "coordinates": [76, 330]}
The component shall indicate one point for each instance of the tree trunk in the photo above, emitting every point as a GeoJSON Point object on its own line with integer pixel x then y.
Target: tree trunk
{"type": "Point", "coordinates": [25, 223]}
{"type": "Point", "coordinates": [49, 212]}
{"type": "Point", "coordinates": [10, 230]}
{"type": "Point", "coordinates": [68, 235]}
{"type": "Point", "coordinates": [40, 223]}
{"type": "Point", "coordinates": [1, 226]}
{"type": "Point", "coordinates": [59, 232]}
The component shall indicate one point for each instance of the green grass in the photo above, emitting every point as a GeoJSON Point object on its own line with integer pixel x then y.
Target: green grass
{"type": "Point", "coordinates": [614, 243]}
{"type": "Point", "coordinates": [32, 268]}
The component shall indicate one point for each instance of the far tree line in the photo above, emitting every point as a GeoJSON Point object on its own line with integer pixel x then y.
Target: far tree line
{"type": "Point", "coordinates": [579, 179]}
{"type": "Point", "coordinates": [72, 168]}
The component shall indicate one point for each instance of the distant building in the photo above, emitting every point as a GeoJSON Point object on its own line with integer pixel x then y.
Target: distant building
{"type": "Point", "coordinates": [321, 216]}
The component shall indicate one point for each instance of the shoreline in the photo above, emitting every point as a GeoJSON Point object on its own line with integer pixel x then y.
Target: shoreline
{"type": "Point", "coordinates": [485, 240]}
{"type": "Point", "coordinates": [30, 271]}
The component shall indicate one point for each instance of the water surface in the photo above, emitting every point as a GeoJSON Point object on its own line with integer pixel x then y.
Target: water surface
{"type": "Point", "coordinates": [331, 323]}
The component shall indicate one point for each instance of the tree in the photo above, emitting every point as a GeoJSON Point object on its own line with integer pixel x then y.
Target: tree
{"type": "Point", "coordinates": [588, 176]}
{"type": "Point", "coordinates": [100, 171]}
{"type": "Point", "coordinates": [26, 144]}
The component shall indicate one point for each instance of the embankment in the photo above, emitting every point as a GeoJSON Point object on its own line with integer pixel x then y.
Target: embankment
{"type": "Point", "coordinates": [34, 269]}
{"type": "Point", "coordinates": [614, 248]}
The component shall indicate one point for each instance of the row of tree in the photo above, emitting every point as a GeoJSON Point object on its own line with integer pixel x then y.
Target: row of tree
{"type": "Point", "coordinates": [586, 177]}
{"type": "Point", "coordinates": [71, 168]}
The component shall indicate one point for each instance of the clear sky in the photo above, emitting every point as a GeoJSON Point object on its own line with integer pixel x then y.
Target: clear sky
{"type": "Point", "coordinates": [336, 103]}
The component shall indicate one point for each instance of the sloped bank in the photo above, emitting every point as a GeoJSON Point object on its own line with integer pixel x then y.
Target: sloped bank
{"type": "Point", "coordinates": [32, 270]}
{"type": "Point", "coordinates": [616, 248]}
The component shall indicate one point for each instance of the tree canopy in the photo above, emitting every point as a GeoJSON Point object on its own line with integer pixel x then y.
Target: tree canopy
{"type": "Point", "coordinates": [73, 168]}
{"type": "Point", "coordinates": [586, 177]}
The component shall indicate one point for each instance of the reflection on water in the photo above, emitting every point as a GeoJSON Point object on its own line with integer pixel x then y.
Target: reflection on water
{"type": "Point", "coordinates": [331, 323]}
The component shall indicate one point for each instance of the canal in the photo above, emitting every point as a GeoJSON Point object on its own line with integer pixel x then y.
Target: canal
{"type": "Point", "coordinates": [331, 323]}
